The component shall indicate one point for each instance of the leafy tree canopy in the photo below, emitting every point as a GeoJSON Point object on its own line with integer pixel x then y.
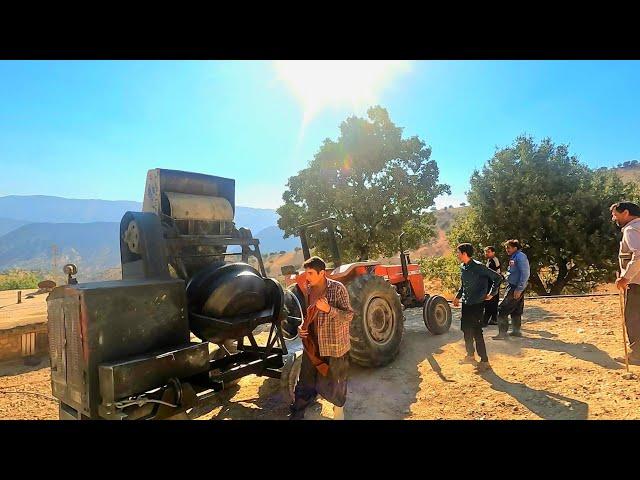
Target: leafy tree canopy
{"type": "Point", "coordinates": [556, 206]}
{"type": "Point", "coordinates": [376, 184]}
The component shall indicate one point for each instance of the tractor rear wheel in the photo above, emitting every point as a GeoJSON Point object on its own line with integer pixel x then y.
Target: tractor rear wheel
{"type": "Point", "coordinates": [378, 322]}
{"type": "Point", "coordinates": [436, 314]}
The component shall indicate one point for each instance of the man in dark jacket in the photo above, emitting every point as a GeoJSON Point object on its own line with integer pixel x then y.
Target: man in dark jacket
{"type": "Point", "coordinates": [491, 306]}
{"type": "Point", "coordinates": [473, 293]}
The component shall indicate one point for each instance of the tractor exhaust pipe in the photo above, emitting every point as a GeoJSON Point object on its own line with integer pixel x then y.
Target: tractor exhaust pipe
{"type": "Point", "coordinates": [403, 259]}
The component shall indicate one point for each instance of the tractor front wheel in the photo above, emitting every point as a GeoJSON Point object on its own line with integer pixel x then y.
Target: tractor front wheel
{"type": "Point", "coordinates": [378, 322]}
{"type": "Point", "coordinates": [436, 314]}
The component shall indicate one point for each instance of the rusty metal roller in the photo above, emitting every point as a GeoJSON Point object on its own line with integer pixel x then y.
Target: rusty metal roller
{"type": "Point", "coordinates": [184, 206]}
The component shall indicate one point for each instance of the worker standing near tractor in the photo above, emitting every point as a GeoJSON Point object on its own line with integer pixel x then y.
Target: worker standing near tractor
{"type": "Point", "coordinates": [627, 216]}
{"type": "Point", "coordinates": [325, 338]}
{"type": "Point", "coordinates": [473, 292]}
{"type": "Point", "coordinates": [491, 306]}
{"type": "Point", "coordinates": [513, 301]}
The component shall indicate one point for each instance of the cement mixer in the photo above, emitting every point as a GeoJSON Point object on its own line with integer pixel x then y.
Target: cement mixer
{"type": "Point", "coordinates": [141, 347]}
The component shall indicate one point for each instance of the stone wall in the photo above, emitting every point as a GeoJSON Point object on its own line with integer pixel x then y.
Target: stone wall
{"type": "Point", "coordinates": [15, 342]}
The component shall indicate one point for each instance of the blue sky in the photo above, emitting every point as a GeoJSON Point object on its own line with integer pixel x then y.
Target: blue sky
{"type": "Point", "coordinates": [91, 129]}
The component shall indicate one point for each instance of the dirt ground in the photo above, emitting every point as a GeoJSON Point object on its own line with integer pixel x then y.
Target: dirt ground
{"type": "Point", "coordinates": [562, 369]}
{"type": "Point", "coordinates": [31, 310]}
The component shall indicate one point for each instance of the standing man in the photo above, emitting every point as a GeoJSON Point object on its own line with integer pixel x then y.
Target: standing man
{"type": "Point", "coordinates": [491, 306]}
{"type": "Point", "coordinates": [325, 361]}
{"type": "Point", "coordinates": [513, 301]}
{"type": "Point", "coordinates": [627, 216]}
{"type": "Point", "coordinates": [473, 292]}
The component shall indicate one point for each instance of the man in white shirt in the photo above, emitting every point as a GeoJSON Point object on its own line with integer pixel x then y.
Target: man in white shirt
{"type": "Point", "coordinates": [627, 216]}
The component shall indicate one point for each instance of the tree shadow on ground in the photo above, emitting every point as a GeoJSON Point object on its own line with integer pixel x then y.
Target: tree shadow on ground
{"type": "Point", "coordinates": [582, 351]}
{"type": "Point", "coordinates": [545, 404]}
{"type": "Point", "coordinates": [548, 341]}
{"type": "Point", "coordinates": [586, 352]}
{"type": "Point", "coordinates": [539, 314]}
{"type": "Point", "coordinates": [542, 333]}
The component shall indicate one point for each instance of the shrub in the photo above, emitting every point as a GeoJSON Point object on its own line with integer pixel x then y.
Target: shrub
{"type": "Point", "coordinates": [19, 279]}
{"type": "Point", "coordinates": [446, 269]}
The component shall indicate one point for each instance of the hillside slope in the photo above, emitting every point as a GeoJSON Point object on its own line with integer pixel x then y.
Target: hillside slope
{"type": "Point", "coordinates": [92, 246]}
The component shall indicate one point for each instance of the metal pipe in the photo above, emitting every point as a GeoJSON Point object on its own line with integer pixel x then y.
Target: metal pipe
{"type": "Point", "coordinates": [334, 246]}
{"type": "Point", "coordinates": [305, 245]}
{"type": "Point", "coordinates": [572, 296]}
{"type": "Point", "coordinates": [567, 296]}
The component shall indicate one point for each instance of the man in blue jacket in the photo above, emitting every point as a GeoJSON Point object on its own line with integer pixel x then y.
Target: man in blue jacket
{"type": "Point", "coordinates": [513, 302]}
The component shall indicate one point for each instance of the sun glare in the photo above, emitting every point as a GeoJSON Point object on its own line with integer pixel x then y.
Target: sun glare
{"type": "Point", "coordinates": [318, 84]}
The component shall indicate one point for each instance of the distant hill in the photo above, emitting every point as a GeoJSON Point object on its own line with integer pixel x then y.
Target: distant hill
{"type": "Point", "coordinates": [271, 240]}
{"type": "Point", "coordinates": [273, 263]}
{"type": "Point", "coordinates": [47, 209]}
{"type": "Point", "coordinates": [86, 231]}
{"type": "Point", "coordinates": [629, 174]}
{"type": "Point", "coordinates": [9, 224]}
{"type": "Point", "coordinates": [445, 218]}
{"type": "Point", "coordinates": [18, 210]}
{"type": "Point", "coordinates": [256, 219]}
{"type": "Point", "coordinates": [93, 247]}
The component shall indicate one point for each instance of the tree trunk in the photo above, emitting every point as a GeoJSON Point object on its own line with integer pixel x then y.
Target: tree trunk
{"type": "Point", "coordinates": [537, 285]}
{"type": "Point", "coordinates": [564, 277]}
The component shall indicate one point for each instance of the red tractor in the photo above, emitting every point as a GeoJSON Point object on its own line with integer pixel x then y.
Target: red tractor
{"type": "Point", "coordinates": [378, 294]}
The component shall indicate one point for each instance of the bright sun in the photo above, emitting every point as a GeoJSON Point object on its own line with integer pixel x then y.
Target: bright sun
{"type": "Point", "coordinates": [332, 83]}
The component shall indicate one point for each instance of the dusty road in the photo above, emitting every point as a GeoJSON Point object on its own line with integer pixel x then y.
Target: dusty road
{"type": "Point", "coordinates": [563, 369]}
{"type": "Point", "coordinates": [31, 310]}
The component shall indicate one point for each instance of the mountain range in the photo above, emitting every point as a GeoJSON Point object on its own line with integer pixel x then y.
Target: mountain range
{"type": "Point", "coordinates": [37, 231]}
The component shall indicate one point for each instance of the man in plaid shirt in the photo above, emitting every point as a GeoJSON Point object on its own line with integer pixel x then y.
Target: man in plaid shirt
{"type": "Point", "coordinates": [325, 362]}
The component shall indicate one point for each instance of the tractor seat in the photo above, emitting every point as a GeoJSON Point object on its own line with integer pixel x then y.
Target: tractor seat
{"type": "Point", "coordinates": [345, 270]}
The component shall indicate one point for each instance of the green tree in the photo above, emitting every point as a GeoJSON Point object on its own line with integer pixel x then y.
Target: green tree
{"type": "Point", "coordinates": [445, 268]}
{"type": "Point", "coordinates": [374, 182]}
{"type": "Point", "coordinates": [16, 279]}
{"type": "Point", "coordinates": [556, 206]}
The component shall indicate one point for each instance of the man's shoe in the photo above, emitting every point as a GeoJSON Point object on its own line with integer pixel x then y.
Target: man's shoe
{"type": "Point", "coordinates": [483, 367]}
{"type": "Point", "coordinates": [468, 359]}
{"type": "Point", "coordinates": [632, 360]}
{"type": "Point", "coordinates": [500, 336]}
{"type": "Point", "coordinates": [515, 334]}
{"type": "Point", "coordinates": [297, 415]}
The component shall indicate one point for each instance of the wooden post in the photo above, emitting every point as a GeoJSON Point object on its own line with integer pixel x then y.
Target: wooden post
{"type": "Point", "coordinates": [19, 296]}
{"type": "Point", "coordinates": [624, 327]}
